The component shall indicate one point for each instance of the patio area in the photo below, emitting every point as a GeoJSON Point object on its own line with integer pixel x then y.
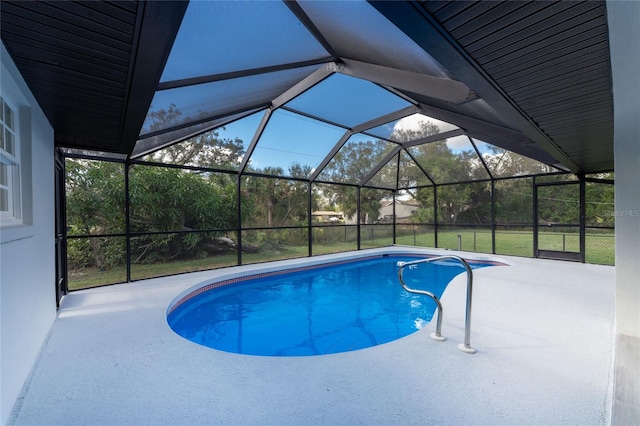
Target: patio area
{"type": "Point", "coordinates": [543, 330]}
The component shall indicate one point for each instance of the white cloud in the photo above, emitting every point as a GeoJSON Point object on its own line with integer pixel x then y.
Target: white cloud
{"type": "Point", "coordinates": [459, 143]}
{"type": "Point", "coordinates": [412, 123]}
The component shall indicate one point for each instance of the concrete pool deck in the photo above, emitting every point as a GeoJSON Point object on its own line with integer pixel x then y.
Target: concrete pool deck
{"type": "Point", "coordinates": [543, 330]}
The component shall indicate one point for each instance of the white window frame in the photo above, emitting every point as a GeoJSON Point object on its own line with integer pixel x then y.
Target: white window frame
{"type": "Point", "coordinates": [12, 216]}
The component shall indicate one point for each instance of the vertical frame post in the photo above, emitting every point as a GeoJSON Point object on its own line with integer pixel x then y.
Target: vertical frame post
{"type": "Point", "coordinates": [534, 188]}
{"type": "Point", "coordinates": [358, 228]}
{"type": "Point", "coordinates": [309, 217]}
{"type": "Point", "coordinates": [394, 216]}
{"type": "Point", "coordinates": [61, 277]}
{"type": "Point", "coordinates": [583, 217]}
{"type": "Point", "coordinates": [239, 218]}
{"type": "Point", "coordinates": [493, 216]}
{"type": "Point", "coordinates": [127, 219]}
{"type": "Point", "coordinates": [435, 215]}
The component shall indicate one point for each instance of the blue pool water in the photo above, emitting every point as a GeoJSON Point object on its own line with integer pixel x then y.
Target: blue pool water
{"type": "Point", "coordinates": [329, 309]}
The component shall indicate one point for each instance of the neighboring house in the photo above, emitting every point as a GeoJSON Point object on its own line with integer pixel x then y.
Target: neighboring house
{"type": "Point", "coordinates": [326, 216]}
{"type": "Point", "coordinates": [405, 209]}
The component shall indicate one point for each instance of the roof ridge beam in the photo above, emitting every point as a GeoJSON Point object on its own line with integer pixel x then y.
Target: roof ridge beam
{"type": "Point", "coordinates": [345, 137]}
{"type": "Point", "coordinates": [305, 84]}
{"type": "Point", "coordinates": [299, 12]}
{"type": "Point", "coordinates": [387, 158]}
{"type": "Point", "coordinates": [192, 81]}
{"type": "Point", "coordinates": [379, 121]}
{"type": "Point", "coordinates": [443, 89]}
{"type": "Point", "coordinates": [433, 138]}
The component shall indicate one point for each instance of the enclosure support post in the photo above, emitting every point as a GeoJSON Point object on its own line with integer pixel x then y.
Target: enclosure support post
{"type": "Point", "coordinates": [127, 219]}
{"type": "Point", "coordinates": [493, 218]}
{"type": "Point", "coordinates": [239, 218]}
{"type": "Point", "coordinates": [358, 217]}
{"type": "Point", "coordinates": [534, 188]}
{"type": "Point", "coordinates": [394, 197]}
{"type": "Point", "coordinates": [61, 280]}
{"type": "Point", "coordinates": [435, 216]}
{"type": "Point", "coordinates": [583, 215]}
{"type": "Point", "coordinates": [309, 216]}
{"type": "Point", "coordinates": [394, 216]}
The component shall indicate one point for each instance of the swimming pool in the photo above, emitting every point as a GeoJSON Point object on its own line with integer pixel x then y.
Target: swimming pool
{"type": "Point", "coordinates": [314, 309]}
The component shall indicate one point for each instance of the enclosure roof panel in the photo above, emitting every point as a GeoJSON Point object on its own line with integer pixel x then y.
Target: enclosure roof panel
{"type": "Point", "coordinates": [180, 106]}
{"type": "Point", "coordinates": [347, 101]}
{"type": "Point", "coordinates": [402, 129]}
{"type": "Point", "coordinates": [357, 159]}
{"type": "Point", "coordinates": [529, 77]}
{"type": "Point", "coordinates": [225, 36]}
{"type": "Point", "coordinates": [294, 144]}
{"type": "Point", "coordinates": [163, 139]}
{"type": "Point", "coordinates": [503, 163]}
{"type": "Point", "coordinates": [357, 31]}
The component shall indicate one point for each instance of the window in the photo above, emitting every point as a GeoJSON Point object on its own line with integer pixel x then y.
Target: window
{"type": "Point", "coordinates": [10, 206]}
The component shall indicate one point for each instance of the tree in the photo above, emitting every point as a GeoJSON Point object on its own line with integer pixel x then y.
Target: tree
{"type": "Point", "coordinates": [504, 163]}
{"type": "Point", "coordinates": [442, 166]}
{"type": "Point", "coordinates": [95, 197]}
{"type": "Point", "coordinates": [188, 200]}
{"type": "Point", "coordinates": [204, 150]}
{"type": "Point", "coordinates": [514, 201]}
{"type": "Point", "coordinates": [284, 201]}
{"type": "Point", "coordinates": [95, 206]}
{"type": "Point", "coordinates": [167, 199]}
{"type": "Point", "coordinates": [351, 164]}
{"type": "Point", "coordinates": [161, 200]}
{"type": "Point", "coordinates": [559, 204]}
{"type": "Point", "coordinates": [600, 205]}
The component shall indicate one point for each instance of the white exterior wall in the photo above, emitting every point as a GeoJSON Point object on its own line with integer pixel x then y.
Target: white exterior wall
{"type": "Point", "coordinates": [27, 256]}
{"type": "Point", "coordinates": [624, 33]}
{"type": "Point", "coordinates": [402, 210]}
{"type": "Point", "coordinates": [625, 64]}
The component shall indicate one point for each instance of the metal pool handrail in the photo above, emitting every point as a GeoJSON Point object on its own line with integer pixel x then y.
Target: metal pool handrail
{"type": "Point", "coordinates": [437, 335]}
{"type": "Point", "coordinates": [466, 347]}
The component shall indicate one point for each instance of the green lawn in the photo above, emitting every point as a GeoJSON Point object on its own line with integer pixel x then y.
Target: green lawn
{"type": "Point", "coordinates": [599, 250]}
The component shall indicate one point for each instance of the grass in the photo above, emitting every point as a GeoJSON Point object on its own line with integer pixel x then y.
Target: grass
{"type": "Point", "coordinates": [599, 249]}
